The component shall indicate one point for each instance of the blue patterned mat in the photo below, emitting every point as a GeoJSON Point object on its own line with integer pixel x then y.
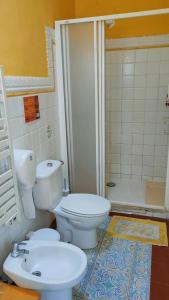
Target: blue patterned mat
{"type": "Point", "coordinates": [117, 270]}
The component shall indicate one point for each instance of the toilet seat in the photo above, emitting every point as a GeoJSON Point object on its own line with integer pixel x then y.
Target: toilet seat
{"type": "Point", "coordinates": [85, 205]}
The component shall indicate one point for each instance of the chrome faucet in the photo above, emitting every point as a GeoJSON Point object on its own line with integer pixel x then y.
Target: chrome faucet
{"type": "Point", "coordinates": [16, 251]}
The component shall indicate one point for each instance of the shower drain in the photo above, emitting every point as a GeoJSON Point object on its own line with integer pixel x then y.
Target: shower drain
{"type": "Point", "coordinates": [111, 184]}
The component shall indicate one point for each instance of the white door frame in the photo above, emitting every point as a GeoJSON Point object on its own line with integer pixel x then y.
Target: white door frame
{"type": "Point", "coordinates": [116, 16]}
{"type": "Point", "coordinates": [61, 107]}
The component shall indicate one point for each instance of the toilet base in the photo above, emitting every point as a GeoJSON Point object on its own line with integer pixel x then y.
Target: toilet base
{"type": "Point", "coordinates": [71, 232]}
{"type": "Point", "coordinates": [57, 295]}
{"type": "Point", "coordinates": [84, 239]}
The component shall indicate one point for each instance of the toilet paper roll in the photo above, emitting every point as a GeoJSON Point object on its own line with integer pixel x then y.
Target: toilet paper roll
{"type": "Point", "coordinates": [28, 204]}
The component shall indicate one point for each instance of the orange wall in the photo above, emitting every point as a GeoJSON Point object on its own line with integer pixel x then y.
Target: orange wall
{"type": "Point", "coordinates": [22, 33]}
{"type": "Point", "coordinates": [130, 27]}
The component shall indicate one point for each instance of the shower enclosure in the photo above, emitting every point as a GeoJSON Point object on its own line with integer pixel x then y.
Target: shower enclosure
{"type": "Point", "coordinates": [114, 124]}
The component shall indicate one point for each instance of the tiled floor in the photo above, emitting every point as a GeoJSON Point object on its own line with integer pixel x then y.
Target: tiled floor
{"type": "Point", "coordinates": [159, 271]}
{"type": "Point", "coordinates": [117, 270]}
{"type": "Point", "coordinates": [159, 289]}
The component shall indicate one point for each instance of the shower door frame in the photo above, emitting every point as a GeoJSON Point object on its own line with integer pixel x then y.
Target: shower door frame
{"type": "Point", "coordinates": [100, 153]}
{"type": "Point", "coordinates": [64, 98]}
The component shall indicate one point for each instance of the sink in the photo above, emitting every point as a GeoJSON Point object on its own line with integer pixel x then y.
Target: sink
{"type": "Point", "coordinates": [52, 268]}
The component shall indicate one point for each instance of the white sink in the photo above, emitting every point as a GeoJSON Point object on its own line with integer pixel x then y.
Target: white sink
{"type": "Point", "coordinates": [61, 266]}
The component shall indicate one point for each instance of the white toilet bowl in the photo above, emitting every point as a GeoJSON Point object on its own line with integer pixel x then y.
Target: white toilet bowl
{"type": "Point", "coordinates": [78, 216]}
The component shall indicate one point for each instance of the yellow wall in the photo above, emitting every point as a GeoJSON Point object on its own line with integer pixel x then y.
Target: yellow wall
{"type": "Point", "coordinates": [126, 28]}
{"type": "Point", "coordinates": [22, 24]}
{"type": "Point", "coordinates": [22, 33]}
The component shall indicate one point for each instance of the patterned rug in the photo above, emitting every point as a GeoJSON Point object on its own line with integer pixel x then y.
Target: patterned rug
{"type": "Point", "coordinates": [117, 270]}
{"type": "Point", "coordinates": [140, 230]}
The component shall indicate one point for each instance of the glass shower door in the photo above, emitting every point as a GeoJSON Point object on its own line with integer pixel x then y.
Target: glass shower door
{"type": "Point", "coordinates": [82, 94]}
{"type": "Point", "coordinates": [81, 116]}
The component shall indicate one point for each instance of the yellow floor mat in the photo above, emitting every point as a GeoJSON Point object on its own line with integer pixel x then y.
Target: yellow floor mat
{"type": "Point", "coordinates": [141, 230]}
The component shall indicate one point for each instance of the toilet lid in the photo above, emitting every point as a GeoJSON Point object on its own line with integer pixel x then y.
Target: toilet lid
{"type": "Point", "coordinates": [85, 204]}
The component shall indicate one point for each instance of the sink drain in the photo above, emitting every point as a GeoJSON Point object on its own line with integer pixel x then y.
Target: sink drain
{"type": "Point", "coordinates": [111, 184]}
{"type": "Point", "coordinates": [37, 273]}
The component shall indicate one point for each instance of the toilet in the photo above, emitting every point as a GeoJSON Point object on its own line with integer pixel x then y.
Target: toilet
{"type": "Point", "coordinates": [77, 215]}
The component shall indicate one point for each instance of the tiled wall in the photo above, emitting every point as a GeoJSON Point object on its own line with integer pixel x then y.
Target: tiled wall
{"type": "Point", "coordinates": [136, 133]}
{"type": "Point", "coordinates": [31, 136]}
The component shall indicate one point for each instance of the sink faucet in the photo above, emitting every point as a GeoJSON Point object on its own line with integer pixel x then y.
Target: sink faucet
{"type": "Point", "coordinates": [16, 251]}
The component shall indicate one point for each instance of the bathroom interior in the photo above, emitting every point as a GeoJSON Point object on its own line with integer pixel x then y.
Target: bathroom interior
{"type": "Point", "coordinates": [84, 133]}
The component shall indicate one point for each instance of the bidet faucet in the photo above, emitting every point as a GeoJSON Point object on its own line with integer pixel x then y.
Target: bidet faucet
{"type": "Point", "coordinates": [16, 251]}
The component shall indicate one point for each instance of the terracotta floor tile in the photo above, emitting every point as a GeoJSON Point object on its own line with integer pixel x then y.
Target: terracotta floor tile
{"type": "Point", "coordinates": [160, 273]}
{"type": "Point", "coordinates": [159, 291]}
{"type": "Point", "coordinates": [160, 254]}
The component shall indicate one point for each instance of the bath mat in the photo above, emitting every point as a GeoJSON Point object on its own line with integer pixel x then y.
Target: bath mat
{"type": "Point", "coordinates": [145, 231]}
{"type": "Point", "coordinates": [117, 270]}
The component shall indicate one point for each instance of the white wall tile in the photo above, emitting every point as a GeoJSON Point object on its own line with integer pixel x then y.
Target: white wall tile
{"type": "Point", "coordinates": [139, 80]}
{"type": "Point", "coordinates": [147, 171]}
{"type": "Point", "coordinates": [148, 150]}
{"type": "Point", "coordinates": [154, 54]}
{"type": "Point", "coordinates": [139, 106]}
{"type": "Point", "coordinates": [27, 136]}
{"type": "Point", "coordinates": [137, 139]}
{"type": "Point", "coordinates": [140, 68]}
{"type": "Point", "coordinates": [138, 117]}
{"type": "Point", "coordinates": [141, 55]}
{"type": "Point", "coordinates": [148, 160]}
{"type": "Point", "coordinates": [164, 67]}
{"type": "Point", "coordinates": [137, 92]}
{"type": "Point", "coordinates": [151, 93]}
{"type": "Point", "coordinates": [125, 169]}
{"type": "Point", "coordinates": [116, 69]}
{"type": "Point", "coordinates": [138, 128]}
{"type": "Point", "coordinates": [152, 80]}
{"type": "Point", "coordinates": [126, 159]}
{"type": "Point", "coordinates": [127, 117]}
{"type": "Point", "coordinates": [137, 160]}
{"type": "Point", "coordinates": [153, 67]}
{"type": "Point", "coordinates": [137, 149]}
{"type": "Point", "coordinates": [127, 105]}
{"type": "Point", "coordinates": [128, 56]}
{"type": "Point", "coordinates": [128, 81]}
{"type": "Point", "coordinates": [136, 170]}
{"type": "Point", "coordinates": [149, 139]}
{"type": "Point", "coordinates": [127, 93]}
{"type": "Point", "coordinates": [128, 69]}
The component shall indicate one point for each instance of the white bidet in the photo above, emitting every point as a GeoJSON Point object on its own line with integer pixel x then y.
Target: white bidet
{"type": "Point", "coordinates": [52, 268]}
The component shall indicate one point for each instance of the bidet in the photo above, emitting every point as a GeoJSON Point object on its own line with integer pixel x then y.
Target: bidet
{"type": "Point", "coordinates": [52, 268]}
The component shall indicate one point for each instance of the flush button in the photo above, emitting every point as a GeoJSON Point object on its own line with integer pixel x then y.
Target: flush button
{"type": "Point", "coordinates": [49, 164]}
